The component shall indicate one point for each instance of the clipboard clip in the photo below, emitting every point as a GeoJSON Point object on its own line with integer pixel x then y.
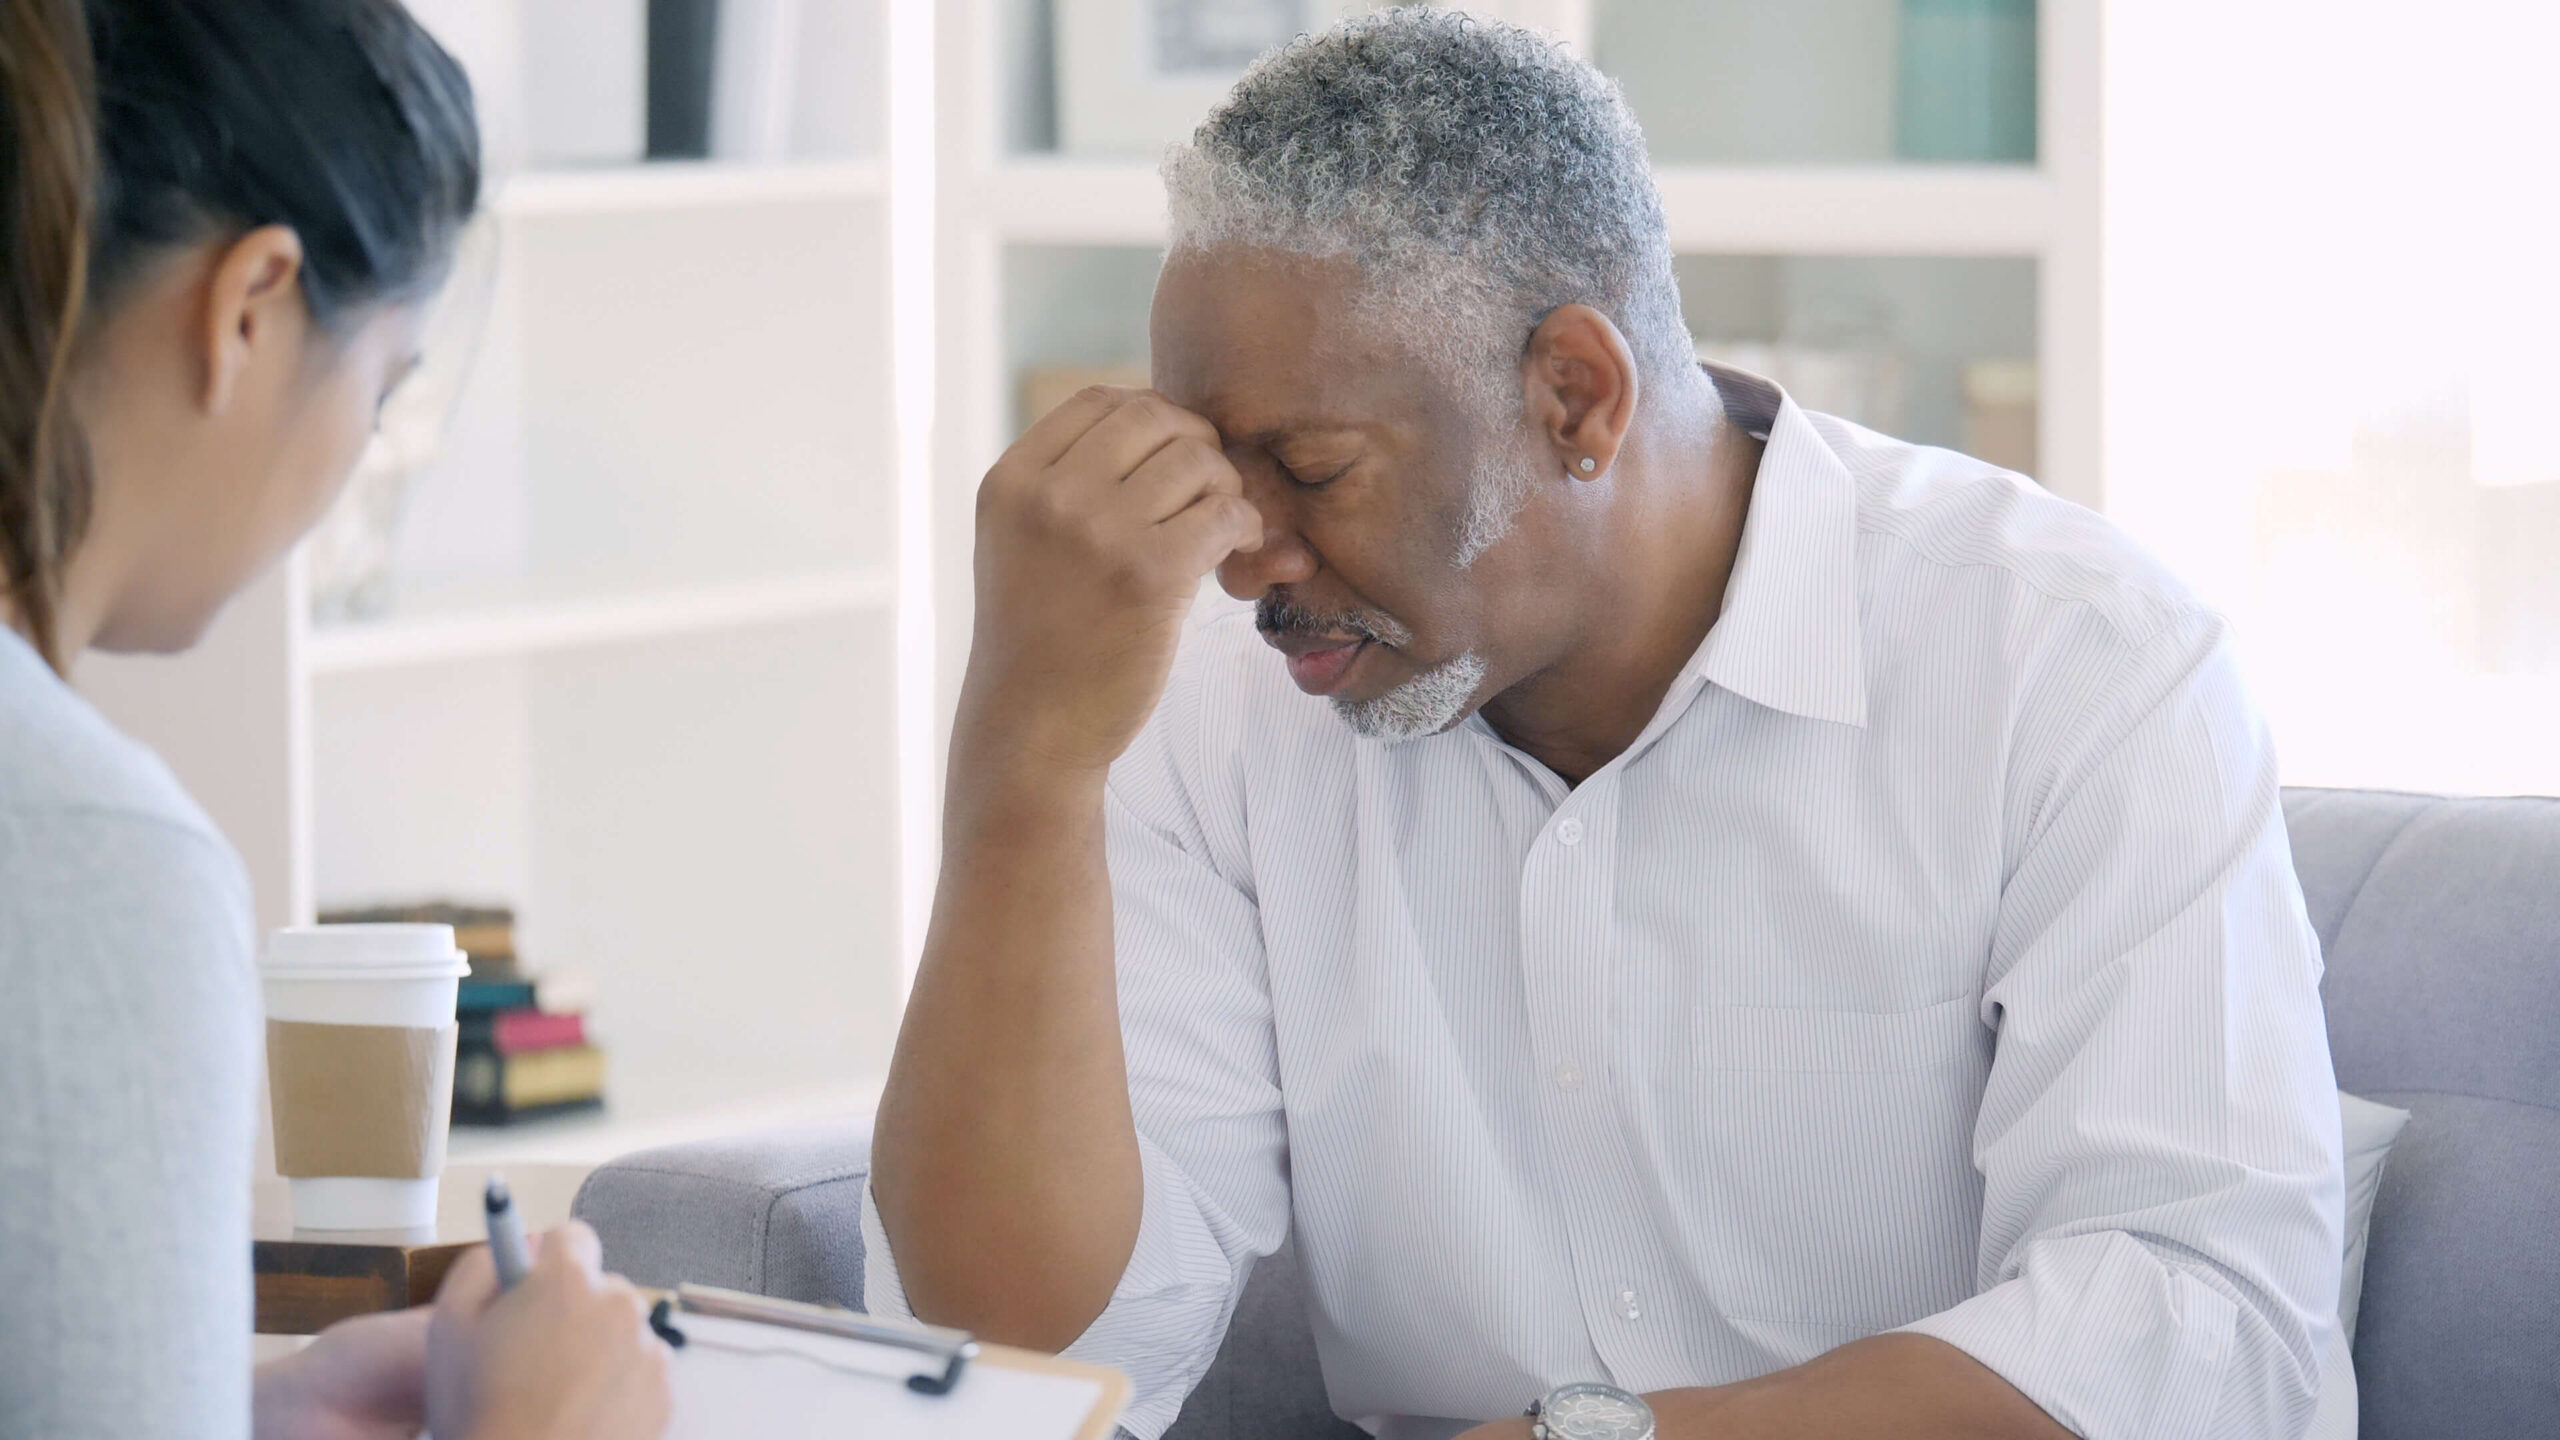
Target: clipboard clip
{"type": "Point", "coordinates": [952, 1350]}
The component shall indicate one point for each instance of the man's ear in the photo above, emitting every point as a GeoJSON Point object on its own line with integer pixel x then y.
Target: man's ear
{"type": "Point", "coordinates": [253, 304]}
{"type": "Point", "coordinates": [1579, 381]}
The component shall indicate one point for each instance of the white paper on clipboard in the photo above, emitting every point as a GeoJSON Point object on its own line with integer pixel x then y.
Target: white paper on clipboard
{"type": "Point", "coordinates": [743, 1378]}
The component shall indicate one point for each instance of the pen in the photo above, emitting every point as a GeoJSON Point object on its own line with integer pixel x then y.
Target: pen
{"type": "Point", "coordinates": [506, 1234]}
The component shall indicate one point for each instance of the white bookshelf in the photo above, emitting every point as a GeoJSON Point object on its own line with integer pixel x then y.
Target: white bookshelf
{"type": "Point", "coordinates": [641, 676]}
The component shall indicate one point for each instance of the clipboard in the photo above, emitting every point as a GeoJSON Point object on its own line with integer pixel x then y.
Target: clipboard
{"type": "Point", "coordinates": [753, 1365]}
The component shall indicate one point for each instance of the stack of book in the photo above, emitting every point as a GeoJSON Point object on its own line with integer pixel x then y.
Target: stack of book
{"type": "Point", "coordinates": [524, 1051]}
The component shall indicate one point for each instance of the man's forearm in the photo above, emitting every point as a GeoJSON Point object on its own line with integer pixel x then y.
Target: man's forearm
{"type": "Point", "coordinates": [1007, 1163]}
{"type": "Point", "coordinates": [1885, 1387]}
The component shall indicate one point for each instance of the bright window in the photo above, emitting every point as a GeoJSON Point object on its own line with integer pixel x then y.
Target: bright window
{"type": "Point", "coordinates": [2333, 367]}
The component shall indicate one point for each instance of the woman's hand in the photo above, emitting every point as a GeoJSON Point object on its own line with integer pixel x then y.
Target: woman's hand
{"type": "Point", "coordinates": [361, 1379]}
{"type": "Point", "coordinates": [566, 1355]}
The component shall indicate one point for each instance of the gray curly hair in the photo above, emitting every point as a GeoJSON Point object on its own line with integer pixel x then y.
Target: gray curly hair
{"type": "Point", "coordinates": [1478, 174]}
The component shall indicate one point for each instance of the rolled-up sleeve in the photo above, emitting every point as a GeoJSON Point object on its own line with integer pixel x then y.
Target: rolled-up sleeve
{"type": "Point", "coordinates": [1195, 1014]}
{"type": "Point", "coordinates": [2159, 1137]}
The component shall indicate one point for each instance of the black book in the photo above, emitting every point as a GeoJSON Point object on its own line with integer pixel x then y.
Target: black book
{"type": "Point", "coordinates": [493, 1115]}
{"type": "Point", "coordinates": [683, 36]}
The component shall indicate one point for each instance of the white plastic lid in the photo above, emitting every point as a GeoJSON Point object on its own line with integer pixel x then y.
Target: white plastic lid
{"type": "Point", "coordinates": [392, 952]}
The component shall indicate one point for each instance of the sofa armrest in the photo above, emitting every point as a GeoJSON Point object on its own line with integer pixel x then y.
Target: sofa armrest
{"type": "Point", "coordinates": [776, 1212]}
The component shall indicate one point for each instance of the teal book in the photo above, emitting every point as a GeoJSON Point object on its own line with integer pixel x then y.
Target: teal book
{"type": "Point", "coordinates": [482, 997]}
{"type": "Point", "coordinates": [1967, 73]}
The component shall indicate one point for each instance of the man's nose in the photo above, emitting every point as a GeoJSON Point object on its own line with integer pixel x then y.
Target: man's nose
{"type": "Point", "coordinates": [1285, 557]}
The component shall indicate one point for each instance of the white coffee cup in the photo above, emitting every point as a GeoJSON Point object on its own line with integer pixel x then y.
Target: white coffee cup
{"type": "Point", "coordinates": [375, 1098]}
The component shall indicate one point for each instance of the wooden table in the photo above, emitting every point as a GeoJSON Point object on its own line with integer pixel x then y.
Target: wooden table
{"type": "Point", "coordinates": [308, 1280]}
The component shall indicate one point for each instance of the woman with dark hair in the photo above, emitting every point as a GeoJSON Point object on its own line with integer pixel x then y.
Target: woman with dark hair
{"type": "Point", "coordinates": [220, 225]}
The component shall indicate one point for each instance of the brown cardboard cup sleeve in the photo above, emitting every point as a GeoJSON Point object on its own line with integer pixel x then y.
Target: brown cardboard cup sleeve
{"type": "Point", "coordinates": [363, 1101]}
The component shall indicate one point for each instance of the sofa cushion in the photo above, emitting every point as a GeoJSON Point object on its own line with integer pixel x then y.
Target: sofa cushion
{"type": "Point", "coordinates": [2369, 1130]}
{"type": "Point", "coordinates": [2459, 1330]}
{"type": "Point", "coordinates": [2441, 928]}
{"type": "Point", "coordinates": [2337, 836]}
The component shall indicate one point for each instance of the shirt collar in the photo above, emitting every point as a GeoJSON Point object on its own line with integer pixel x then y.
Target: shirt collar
{"type": "Point", "coordinates": [1788, 636]}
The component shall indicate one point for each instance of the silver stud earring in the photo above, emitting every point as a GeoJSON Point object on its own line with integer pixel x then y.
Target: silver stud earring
{"type": "Point", "coordinates": [1589, 464]}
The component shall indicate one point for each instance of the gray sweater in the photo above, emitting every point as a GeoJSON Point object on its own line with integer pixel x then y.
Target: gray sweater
{"type": "Point", "coordinates": [128, 1059]}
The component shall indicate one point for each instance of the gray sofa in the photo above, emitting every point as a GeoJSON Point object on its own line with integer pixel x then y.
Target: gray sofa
{"type": "Point", "coordinates": [2441, 923]}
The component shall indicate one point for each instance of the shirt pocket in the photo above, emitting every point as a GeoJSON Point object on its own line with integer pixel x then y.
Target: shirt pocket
{"type": "Point", "coordinates": [1834, 1176]}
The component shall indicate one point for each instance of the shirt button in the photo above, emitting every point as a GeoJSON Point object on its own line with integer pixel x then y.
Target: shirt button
{"type": "Point", "coordinates": [1568, 1076]}
{"type": "Point", "coordinates": [1627, 1305]}
{"type": "Point", "coordinates": [1569, 832]}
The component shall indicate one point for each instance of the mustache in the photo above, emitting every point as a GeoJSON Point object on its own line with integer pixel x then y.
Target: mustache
{"type": "Point", "coordinates": [1278, 614]}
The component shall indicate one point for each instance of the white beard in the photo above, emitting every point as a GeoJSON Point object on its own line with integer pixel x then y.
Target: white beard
{"type": "Point", "coordinates": [1424, 705]}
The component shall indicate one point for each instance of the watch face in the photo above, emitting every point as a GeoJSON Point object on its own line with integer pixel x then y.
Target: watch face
{"type": "Point", "coordinates": [1596, 1412]}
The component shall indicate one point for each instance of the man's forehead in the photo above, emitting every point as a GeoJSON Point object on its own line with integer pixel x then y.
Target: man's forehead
{"type": "Point", "coordinates": [1270, 345]}
{"type": "Point", "coordinates": [1257, 407]}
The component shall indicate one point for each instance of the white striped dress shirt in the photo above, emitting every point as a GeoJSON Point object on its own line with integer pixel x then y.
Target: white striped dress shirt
{"type": "Point", "coordinates": [1933, 960]}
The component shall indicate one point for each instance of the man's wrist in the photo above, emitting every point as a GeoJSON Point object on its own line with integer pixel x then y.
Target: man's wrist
{"type": "Point", "coordinates": [1001, 782]}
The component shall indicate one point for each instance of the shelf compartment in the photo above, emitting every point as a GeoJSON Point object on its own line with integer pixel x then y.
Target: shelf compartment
{"type": "Point", "coordinates": [1934, 349]}
{"type": "Point", "coordinates": [1816, 82]}
{"type": "Point", "coordinates": [667, 397]}
{"type": "Point", "coordinates": [703, 826]}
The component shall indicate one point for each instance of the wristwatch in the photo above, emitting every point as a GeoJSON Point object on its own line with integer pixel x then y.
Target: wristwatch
{"type": "Point", "coordinates": [1590, 1412]}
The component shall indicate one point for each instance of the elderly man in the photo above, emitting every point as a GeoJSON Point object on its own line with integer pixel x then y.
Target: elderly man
{"type": "Point", "coordinates": [1708, 900]}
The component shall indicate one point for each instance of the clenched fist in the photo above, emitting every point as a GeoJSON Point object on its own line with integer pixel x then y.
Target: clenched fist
{"type": "Point", "coordinates": [1093, 533]}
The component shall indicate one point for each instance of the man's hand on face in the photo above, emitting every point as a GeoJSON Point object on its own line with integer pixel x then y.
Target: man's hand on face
{"type": "Point", "coordinates": [1093, 533]}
